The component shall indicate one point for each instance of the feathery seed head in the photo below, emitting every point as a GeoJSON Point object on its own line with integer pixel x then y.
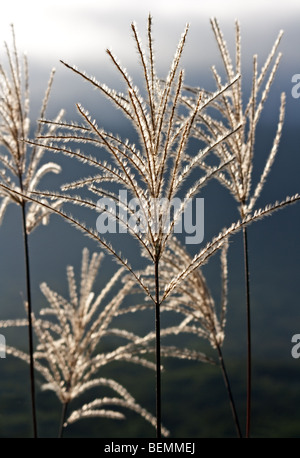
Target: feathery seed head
{"type": "Point", "coordinates": [21, 167]}
{"type": "Point", "coordinates": [68, 354]}
{"type": "Point", "coordinates": [238, 176]}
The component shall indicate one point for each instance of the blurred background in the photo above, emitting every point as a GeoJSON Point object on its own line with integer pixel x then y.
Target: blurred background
{"type": "Point", "coordinates": [194, 403]}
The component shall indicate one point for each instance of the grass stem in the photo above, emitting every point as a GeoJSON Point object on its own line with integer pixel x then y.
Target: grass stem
{"type": "Point", "coordinates": [248, 315]}
{"type": "Point", "coordinates": [229, 391]}
{"type": "Point", "coordinates": [157, 351]}
{"type": "Point", "coordinates": [63, 419]}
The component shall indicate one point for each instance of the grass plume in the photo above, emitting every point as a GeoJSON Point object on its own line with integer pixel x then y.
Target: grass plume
{"type": "Point", "coordinates": [70, 332]}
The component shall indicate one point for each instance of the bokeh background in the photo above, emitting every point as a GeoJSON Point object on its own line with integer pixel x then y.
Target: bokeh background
{"type": "Point", "coordinates": [195, 403]}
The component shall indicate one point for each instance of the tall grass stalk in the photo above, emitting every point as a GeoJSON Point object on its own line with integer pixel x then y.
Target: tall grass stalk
{"type": "Point", "coordinates": [153, 172]}
{"type": "Point", "coordinates": [229, 392]}
{"type": "Point", "coordinates": [63, 419]}
{"type": "Point", "coordinates": [157, 352]}
{"type": "Point", "coordinates": [30, 328]}
{"type": "Point", "coordinates": [249, 346]}
{"type": "Point", "coordinates": [20, 169]}
{"type": "Point", "coordinates": [238, 176]}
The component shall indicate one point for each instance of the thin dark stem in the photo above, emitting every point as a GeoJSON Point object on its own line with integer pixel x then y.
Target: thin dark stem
{"type": "Point", "coordinates": [249, 355]}
{"type": "Point", "coordinates": [30, 327]}
{"type": "Point", "coordinates": [63, 419]}
{"type": "Point", "coordinates": [157, 352]}
{"type": "Point", "coordinates": [229, 391]}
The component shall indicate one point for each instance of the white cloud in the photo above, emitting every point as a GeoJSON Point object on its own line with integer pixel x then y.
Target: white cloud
{"type": "Point", "coordinates": [72, 28]}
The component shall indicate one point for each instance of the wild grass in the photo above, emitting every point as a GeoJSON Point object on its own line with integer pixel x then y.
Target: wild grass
{"type": "Point", "coordinates": [70, 332]}
{"type": "Point", "coordinates": [241, 145]}
{"type": "Point", "coordinates": [152, 173]}
{"type": "Point", "coordinates": [21, 167]}
{"type": "Point", "coordinates": [162, 166]}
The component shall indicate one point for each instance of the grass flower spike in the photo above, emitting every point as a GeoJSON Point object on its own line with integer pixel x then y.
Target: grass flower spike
{"type": "Point", "coordinates": [20, 165]}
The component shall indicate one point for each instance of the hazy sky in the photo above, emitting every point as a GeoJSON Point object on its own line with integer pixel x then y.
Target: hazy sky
{"type": "Point", "coordinates": [71, 28]}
